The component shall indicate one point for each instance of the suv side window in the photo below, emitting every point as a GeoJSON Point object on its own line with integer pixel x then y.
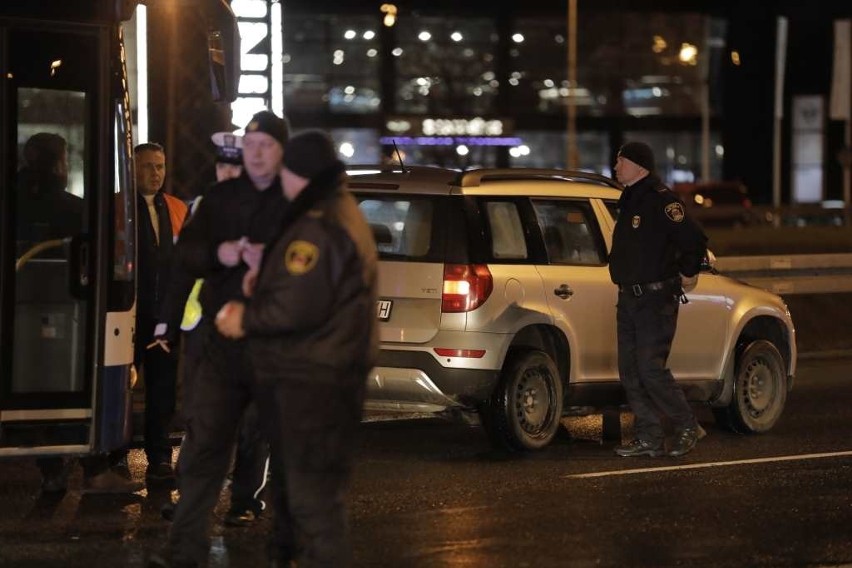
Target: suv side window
{"type": "Point", "coordinates": [570, 234]}
{"type": "Point", "coordinates": [507, 231]}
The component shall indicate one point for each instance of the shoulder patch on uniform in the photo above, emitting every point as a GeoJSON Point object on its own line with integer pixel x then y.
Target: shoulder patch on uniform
{"type": "Point", "coordinates": [674, 211]}
{"type": "Point", "coordinates": [300, 257]}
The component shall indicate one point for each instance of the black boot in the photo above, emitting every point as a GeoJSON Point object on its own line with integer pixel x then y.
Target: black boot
{"type": "Point", "coordinates": [641, 448]}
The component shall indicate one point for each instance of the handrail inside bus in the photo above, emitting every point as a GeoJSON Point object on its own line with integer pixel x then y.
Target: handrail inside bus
{"type": "Point", "coordinates": [36, 249]}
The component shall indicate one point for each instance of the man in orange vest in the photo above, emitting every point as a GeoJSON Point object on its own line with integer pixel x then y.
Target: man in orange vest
{"type": "Point", "coordinates": [160, 218]}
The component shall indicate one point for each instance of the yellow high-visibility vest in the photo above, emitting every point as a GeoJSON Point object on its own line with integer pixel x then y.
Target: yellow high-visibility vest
{"type": "Point", "coordinates": [192, 309]}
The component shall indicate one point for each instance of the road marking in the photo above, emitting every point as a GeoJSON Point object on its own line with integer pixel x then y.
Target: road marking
{"type": "Point", "coordinates": [706, 465]}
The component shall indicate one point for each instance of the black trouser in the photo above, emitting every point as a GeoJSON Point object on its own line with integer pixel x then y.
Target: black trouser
{"type": "Point", "coordinates": [221, 391]}
{"type": "Point", "coordinates": [646, 328]}
{"type": "Point", "coordinates": [311, 425]}
{"type": "Point", "coordinates": [310, 429]}
{"type": "Point", "coordinates": [250, 464]}
{"type": "Point", "coordinates": [160, 371]}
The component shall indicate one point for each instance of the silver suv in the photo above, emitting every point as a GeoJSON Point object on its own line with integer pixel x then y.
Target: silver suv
{"type": "Point", "coordinates": [495, 297]}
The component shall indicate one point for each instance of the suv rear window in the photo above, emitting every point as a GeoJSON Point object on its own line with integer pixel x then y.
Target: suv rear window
{"type": "Point", "coordinates": [401, 224]}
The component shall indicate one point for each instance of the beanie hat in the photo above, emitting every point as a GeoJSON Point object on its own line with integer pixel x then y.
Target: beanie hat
{"type": "Point", "coordinates": [639, 153]}
{"type": "Point", "coordinates": [266, 121]}
{"type": "Point", "coordinates": [310, 153]}
{"type": "Point", "coordinates": [229, 147]}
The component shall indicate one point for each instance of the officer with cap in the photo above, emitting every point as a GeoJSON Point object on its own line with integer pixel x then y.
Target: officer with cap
{"type": "Point", "coordinates": [223, 239]}
{"type": "Point", "coordinates": [229, 155]}
{"type": "Point", "coordinates": [312, 338]}
{"type": "Point", "coordinates": [656, 256]}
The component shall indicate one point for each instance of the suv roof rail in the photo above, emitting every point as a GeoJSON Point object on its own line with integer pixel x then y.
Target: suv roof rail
{"type": "Point", "coordinates": [475, 178]}
{"type": "Point", "coordinates": [364, 169]}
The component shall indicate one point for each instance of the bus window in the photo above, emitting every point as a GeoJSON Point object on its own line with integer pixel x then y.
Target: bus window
{"type": "Point", "coordinates": [51, 98]}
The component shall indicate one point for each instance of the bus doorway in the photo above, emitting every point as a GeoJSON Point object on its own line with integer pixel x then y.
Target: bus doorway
{"type": "Point", "coordinates": [60, 186]}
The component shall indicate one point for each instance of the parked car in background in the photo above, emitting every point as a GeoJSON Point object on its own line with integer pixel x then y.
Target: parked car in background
{"type": "Point", "coordinates": [495, 301]}
{"type": "Point", "coordinates": [718, 203]}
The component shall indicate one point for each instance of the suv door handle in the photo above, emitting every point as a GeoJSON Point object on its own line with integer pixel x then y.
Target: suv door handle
{"type": "Point", "coordinates": [564, 291]}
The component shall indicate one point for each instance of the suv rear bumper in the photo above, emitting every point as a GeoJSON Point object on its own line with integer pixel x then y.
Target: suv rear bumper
{"type": "Point", "coordinates": [415, 381]}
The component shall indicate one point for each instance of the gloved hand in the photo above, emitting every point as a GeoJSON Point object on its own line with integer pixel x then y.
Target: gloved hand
{"type": "Point", "coordinates": [688, 283]}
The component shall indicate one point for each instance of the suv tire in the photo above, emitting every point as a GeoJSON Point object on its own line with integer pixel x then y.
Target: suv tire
{"type": "Point", "coordinates": [760, 390]}
{"type": "Point", "coordinates": [525, 409]}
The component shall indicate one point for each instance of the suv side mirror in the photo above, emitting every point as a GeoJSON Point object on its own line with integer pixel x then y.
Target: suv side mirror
{"type": "Point", "coordinates": [223, 48]}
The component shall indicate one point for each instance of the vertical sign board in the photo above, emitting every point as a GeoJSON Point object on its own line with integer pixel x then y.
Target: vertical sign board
{"type": "Point", "coordinates": [261, 83]}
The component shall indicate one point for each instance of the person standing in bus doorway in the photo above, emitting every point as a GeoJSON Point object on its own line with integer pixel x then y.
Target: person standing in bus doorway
{"type": "Point", "coordinates": [312, 338]}
{"type": "Point", "coordinates": [184, 313]}
{"type": "Point", "coordinates": [45, 210]}
{"type": "Point", "coordinates": [161, 217]}
{"type": "Point", "coordinates": [224, 238]}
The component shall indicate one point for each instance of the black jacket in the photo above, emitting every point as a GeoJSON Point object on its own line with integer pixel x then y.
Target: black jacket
{"type": "Point", "coordinates": [654, 239]}
{"type": "Point", "coordinates": [229, 211]}
{"type": "Point", "coordinates": [153, 265]}
{"type": "Point", "coordinates": [313, 312]}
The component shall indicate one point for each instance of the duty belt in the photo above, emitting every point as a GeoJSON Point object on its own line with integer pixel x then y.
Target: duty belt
{"type": "Point", "coordinates": [640, 289]}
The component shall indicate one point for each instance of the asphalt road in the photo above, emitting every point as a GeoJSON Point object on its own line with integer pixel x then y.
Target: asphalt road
{"type": "Point", "coordinates": [431, 493]}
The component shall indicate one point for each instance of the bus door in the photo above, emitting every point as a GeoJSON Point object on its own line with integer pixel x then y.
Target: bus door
{"type": "Point", "coordinates": [52, 134]}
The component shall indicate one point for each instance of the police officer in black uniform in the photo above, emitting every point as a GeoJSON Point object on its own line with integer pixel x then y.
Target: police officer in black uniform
{"type": "Point", "coordinates": [656, 256]}
{"type": "Point", "coordinates": [312, 337]}
{"type": "Point", "coordinates": [182, 312]}
{"type": "Point", "coordinates": [223, 240]}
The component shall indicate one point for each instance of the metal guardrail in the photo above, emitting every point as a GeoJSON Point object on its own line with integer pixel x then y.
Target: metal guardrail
{"type": "Point", "coordinates": [792, 274]}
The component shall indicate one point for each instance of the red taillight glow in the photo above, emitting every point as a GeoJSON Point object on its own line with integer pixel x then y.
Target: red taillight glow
{"type": "Point", "coordinates": [469, 353]}
{"type": "Point", "coordinates": [466, 287]}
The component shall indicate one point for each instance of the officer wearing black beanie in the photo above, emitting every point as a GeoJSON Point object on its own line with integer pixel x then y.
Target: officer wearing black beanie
{"type": "Point", "coordinates": [310, 153]}
{"type": "Point", "coordinates": [310, 326]}
{"type": "Point", "coordinates": [656, 255]}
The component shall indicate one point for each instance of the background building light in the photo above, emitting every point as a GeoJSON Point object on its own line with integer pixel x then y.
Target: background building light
{"type": "Point", "coordinates": [424, 36]}
{"type": "Point", "coordinates": [347, 149]}
{"type": "Point", "coordinates": [518, 38]}
{"type": "Point", "coordinates": [390, 11]}
{"type": "Point", "coordinates": [688, 54]}
{"type": "Point", "coordinates": [456, 36]}
{"type": "Point", "coordinates": [735, 57]}
{"type": "Point", "coordinates": [349, 34]}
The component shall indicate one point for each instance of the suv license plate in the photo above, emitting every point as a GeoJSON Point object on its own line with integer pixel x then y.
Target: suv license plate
{"type": "Point", "coordinates": [383, 309]}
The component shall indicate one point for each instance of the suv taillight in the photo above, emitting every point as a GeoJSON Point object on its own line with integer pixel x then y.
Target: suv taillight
{"type": "Point", "coordinates": [466, 287]}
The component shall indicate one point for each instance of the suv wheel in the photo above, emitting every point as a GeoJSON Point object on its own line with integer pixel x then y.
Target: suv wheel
{"type": "Point", "coordinates": [760, 390]}
{"type": "Point", "coordinates": [525, 409]}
